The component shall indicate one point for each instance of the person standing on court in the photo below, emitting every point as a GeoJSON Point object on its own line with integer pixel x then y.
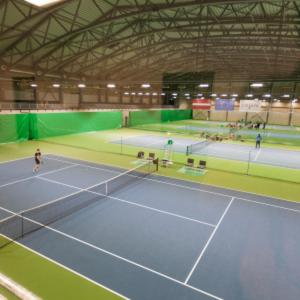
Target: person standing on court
{"type": "Point", "coordinates": [38, 160]}
{"type": "Point", "coordinates": [258, 140]}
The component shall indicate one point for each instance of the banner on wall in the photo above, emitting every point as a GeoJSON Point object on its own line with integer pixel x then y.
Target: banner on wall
{"type": "Point", "coordinates": [201, 104]}
{"type": "Point", "coordinates": [250, 105]}
{"type": "Point", "coordinates": [224, 104]}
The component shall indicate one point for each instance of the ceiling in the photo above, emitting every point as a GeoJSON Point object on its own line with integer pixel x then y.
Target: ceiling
{"type": "Point", "coordinates": [134, 40]}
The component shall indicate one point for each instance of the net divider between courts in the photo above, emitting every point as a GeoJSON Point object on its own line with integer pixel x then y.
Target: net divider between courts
{"type": "Point", "coordinates": [17, 225]}
{"type": "Point", "coordinates": [190, 149]}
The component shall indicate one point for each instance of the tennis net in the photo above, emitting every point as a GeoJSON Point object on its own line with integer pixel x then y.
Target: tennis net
{"type": "Point", "coordinates": [191, 149]}
{"type": "Point", "coordinates": [17, 225]}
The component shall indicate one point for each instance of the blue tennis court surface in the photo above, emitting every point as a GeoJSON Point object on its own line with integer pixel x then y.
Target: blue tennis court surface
{"type": "Point", "coordinates": [160, 238]}
{"type": "Point", "coordinates": [269, 156]}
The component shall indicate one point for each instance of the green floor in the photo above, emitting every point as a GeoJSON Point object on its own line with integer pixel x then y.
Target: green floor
{"type": "Point", "coordinates": [45, 278]}
{"type": "Point", "coordinates": [51, 281]}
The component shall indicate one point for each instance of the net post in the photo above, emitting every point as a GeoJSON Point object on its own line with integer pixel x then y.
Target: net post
{"type": "Point", "coordinates": [106, 189]}
{"type": "Point", "coordinates": [22, 224]}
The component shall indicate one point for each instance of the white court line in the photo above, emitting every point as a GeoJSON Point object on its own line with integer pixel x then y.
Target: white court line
{"type": "Point", "coordinates": [122, 200]}
{"type": "Point", "coordinates": [37, 176]}
{"type": "Point", "coordinates": [198, 189]}
{"type": "Point", "coordinates": [67, 268]}
{"type": "Point", "coordinates": [116, 256]}
{"type": "Point", "coordinates": [208, 242]}
{"type": "Point", "coordinates": [257, 154]}
{"type": "Point", "coordinates": [17, 159]}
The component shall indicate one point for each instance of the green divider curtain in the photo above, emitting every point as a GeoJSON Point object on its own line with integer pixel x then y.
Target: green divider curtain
{"type": "Point", "coordinates": [144, 117]}
{"type": "Point", "coordinates": [14, 127]}
{"type": "Point", "coordinates": [55, 124]}
{"type": "Point", "coordinates": [157, 116]}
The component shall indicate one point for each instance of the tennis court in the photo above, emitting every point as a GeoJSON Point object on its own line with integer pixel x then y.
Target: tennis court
{"type": "Point", "coordinates": [146, 236]}
{"type": "Point", "coordinates": [265, 155]}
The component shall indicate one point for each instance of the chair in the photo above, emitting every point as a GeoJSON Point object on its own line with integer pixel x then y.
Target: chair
{"type": "Point", "coordinates": [202, 164]}
{"type": "Point", "coordinates": [141, 155]}
{"type": "Point", "coordinates": [190, 162]}
{"type": "Point", "coordinates": [151, 156]}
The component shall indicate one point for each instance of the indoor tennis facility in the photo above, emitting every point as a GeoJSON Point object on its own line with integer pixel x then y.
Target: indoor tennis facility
{"type": "Point", "coordinates": [149, 150]}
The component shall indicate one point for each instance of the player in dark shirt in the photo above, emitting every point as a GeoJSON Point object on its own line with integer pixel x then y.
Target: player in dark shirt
{"type": "Point", "coordinates": [38, 160]}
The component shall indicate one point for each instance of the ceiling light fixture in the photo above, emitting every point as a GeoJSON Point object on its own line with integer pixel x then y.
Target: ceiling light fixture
{"type": "Point", "coordinates": [111, 85]}
{"type": "Point", "coordinates": [41, 3]}
{"type": "Point", "coordinates": [257, 84]}
{"type": "Point", "coordinates": [146, 85]}
{"type": "Point", "coordinates": [204, 85]}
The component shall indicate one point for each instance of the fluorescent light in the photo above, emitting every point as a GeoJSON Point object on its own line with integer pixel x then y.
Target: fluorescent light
{"type": "Point", "coordinates": [81, 85]}
{"type": "Point", "coordinates": [234, 95]}
{"type": "Point", "coordinates": [224, 95]}
{"type": "Point", "coordinates": [146, 85]}
{"type": "Point", "coordinates": [56, 85]}
{"type": "Point", "coordinates": [140, 93]}
{"type": "Point", "coordinates": [163, 94]}
{"type": "Point", "coordinates": [249, 95]}
{"type": "Point", "coordinates": [267, 95]}
{"type": "Point", "coordinates": [126, 93]}
{"type": "Point", "coordinates": [147, 94]}
{"type": "Point", "coordinates": [204, 85]}
{"type": "Point", "coordinates": [111, 85]}
{"type": "Point", "coordinates": [34, 85]}
{"type": "Point", "coordinates": [174, 94]}
{"type": "Point", "coordinates": [42, 2]}
{"type": "Point", "coordinates": [154, 94]}
{"type": "Point", "coordinates": [257, 84]}
{"type": "Point", "coordinates": [187, 94]}
{"type": "Point", "coordinates": [286, 96]}
{"type": "Point", "coordinates": [199, 95]}
{"type": "Point", "coordinates": [133, 93]}
{"type": "Point", "coordinates": [214, 95]}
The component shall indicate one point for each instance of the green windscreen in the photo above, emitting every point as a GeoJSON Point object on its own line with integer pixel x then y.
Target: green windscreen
{"type": "Point", "coordinates": [55, 124]}
{"type": "Point", "coordinates": [14, 127]}
{"type": "Point", "coordinates": [158, 116]}
{"type": "Point", "coordinates": [176, 115]}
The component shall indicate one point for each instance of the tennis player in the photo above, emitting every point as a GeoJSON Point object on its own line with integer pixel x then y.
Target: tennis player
{"type": "Point", "coordinates": [258, 140]}
{"type": "Point", "coordinates": [38, 160]}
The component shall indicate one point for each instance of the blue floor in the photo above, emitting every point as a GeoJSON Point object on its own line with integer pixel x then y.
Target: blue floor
{"type": "Point", "coordinates": [160, 238]}
{"type": "Point", "coordinates": [269, 156]}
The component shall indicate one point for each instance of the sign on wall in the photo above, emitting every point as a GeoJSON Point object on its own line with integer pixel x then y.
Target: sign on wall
{"type": "Point", "coordinates": [201, 104]}
{"type": "Point", "coordinates": [224, 104]}
{"type": "Point", "coordinates": [250, 105]}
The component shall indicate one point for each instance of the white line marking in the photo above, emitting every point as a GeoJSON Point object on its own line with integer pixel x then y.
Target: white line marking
{"type": "Point", "coordinates": [68, 269]}
{"type": "Point", "coordinates": [37, 176]}
{"type": "Point", "coordinates": [198, 189]}
{"type": "Point", "coordinates": [115, 255]}
{"type": "Point", "coordinates": [13, 160]}
{"type": "Point", "coordinates": [122, 200]}
{"type": "Point", "coordinates": [257, 154]}
{"type": "Point", "coordinates": [208, 242]}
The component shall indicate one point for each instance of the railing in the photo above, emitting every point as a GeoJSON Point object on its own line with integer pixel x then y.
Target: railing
{"type": "Point", "coordinates": [23, 106]}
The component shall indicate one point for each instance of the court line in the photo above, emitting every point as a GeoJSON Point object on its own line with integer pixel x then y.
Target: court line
{"type": "Point", "coordinates": [17, 159]}
{"type": "Point", "coordinates": [36, 176]}
{"type": "Point", "coordinates": [115, 255]}
{"type": "Point", "coordinates": [204, 191]}
{"type": "Point", "coordinates": [120, 200]}
{"type": "Point", "coordinates": [208, 242]}
{"type": "Point", "coordinates": [257, 154]}
{"type": "Point", "coordinates": [67, 268]}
